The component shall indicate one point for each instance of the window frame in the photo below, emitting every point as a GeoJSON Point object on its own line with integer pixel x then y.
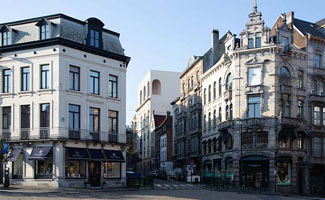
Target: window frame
{"type": "Point", "coordinates": [113, 85]}
{"type": "Point", "coordinates": [250, 81]}
{"type": "Point", "coordinates": [255, 108]}
{"type": "Point", "coordinates": [111, 123]}
{"type": "Point", "coordinates": [44, 124]}
{"type": "Point", "coordinates": [6, 81]}
{"type": "Point", "coordinates": [92, 119]}
{"type": "Point", "coordinates": [94, 79]}
{"type": "Point", "coordinates": [6, 38]}
{"type": "Point", "coordinates": [74, 114]}
{"type": "Point", "coordinates": [25, 79]}
{"type": "Point", "coordinates": [74, 74]}
{"type": "Point", "coordinates": [45, 75]}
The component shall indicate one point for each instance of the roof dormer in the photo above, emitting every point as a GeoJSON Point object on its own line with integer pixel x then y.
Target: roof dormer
{"type": "Point", "coordinates": [45, 29]}
{"type": "Point", "coordinates": [94, 32]}
{"type": "Point", "coordinates": [7, 35]}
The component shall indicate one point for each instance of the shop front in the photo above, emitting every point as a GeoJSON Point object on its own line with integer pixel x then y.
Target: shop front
{"type": "Point", "coordinates": [255, 171]}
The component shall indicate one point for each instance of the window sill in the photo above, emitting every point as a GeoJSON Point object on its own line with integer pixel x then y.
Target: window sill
{"type": "Point", "coordinates": [25, 92]}
{"type": "Point", "coordinates": [45, 90]}
{"type": "Point", "coordinates": [113, 99]}
{"type": "Point", "coordinates": [75, 91]}
{"type": "Point", "coordinates": [95, 95]}
{"type": "Point", "coordinates": [6, 94]}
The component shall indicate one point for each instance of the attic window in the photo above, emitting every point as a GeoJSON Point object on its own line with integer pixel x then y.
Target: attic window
{"type": "Point", "coordinates": [44, 32]}
{"type": "Point", "coordinates": [94, 38]}
{"type": "Point", "coordinates": [6, 38]}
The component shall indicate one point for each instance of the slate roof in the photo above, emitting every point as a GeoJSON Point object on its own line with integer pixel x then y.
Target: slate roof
{"type": "Point", "coordinates": [308, 28]}
{"type": "Point", "coordinates": [64, 27]}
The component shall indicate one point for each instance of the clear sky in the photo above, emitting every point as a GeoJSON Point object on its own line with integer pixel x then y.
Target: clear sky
{"type": "Point", "coordinates": [163, 34]}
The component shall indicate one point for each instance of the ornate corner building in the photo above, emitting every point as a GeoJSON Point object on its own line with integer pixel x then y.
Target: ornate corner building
{"type": "Point", "coordinates": [263, 107]}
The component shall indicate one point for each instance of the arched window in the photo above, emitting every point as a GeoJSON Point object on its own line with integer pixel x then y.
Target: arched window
{"type": "Point", "coordinates": [227, 112]}
{"type": "Point", "coordinates": [214, 90]}
{"type": "Point", "coordinates": [284, 76]}
{"type": "Point", "coordinates": [156, 87]}
{"type": "Point", "coordinates": [220, 115]}
{"type": "Point", "coordinates": [220, 87]}
{"type": "Point", "coordinates": [209, 121]}
{"type": "Point", "coordinates": [229, 82]}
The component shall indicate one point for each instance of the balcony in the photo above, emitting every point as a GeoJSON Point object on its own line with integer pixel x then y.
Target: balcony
{"type": "Point", "coordinates": [319, 71]}
{"type": "Point", "coordinates": [286, 89]}
{"type": "Point", "coordinates": [225, 124]}
{"type": "Point", "coordinates": [292, 122]}
{"type": "Point", "coordinates": [316, 98]}
{"type": "Point", "coordinates": [253, 122]}
{"type": "Point", "coordinates": [227, 95]}
{"type": "Point", "coordinates": [47, 133]}
{"type": "Point", "coordinates": [254, 89]}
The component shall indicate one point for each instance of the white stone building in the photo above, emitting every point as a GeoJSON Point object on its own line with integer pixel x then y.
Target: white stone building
{"type": "Point", "coordinates": [155, 92]}
{"type": "Point", "coordinates": [63, 100]}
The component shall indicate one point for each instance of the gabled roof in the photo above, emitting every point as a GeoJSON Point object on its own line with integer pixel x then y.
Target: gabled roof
{"type": "Point", "coordinates": [308, 28]}
{"type": "Point", "coordinates": [158, 119]}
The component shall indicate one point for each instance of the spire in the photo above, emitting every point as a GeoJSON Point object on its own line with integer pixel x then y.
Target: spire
{"type": "Point", "coordinates": [255, 6]}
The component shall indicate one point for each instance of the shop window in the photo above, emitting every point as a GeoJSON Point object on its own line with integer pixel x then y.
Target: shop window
{"type": "Point", "coordinates": [75, 168]}
{"type": "Point", "coordinates": [217, 169]}
{"type": "Point", "coordinates": [229, 168]}
{"type": "Point", "coordinates": [17, 168]}
{"type": "Point", "coordinates": [44, 168]}
{"type": "Point", "coordinates": [112, 169]}
{"type": "Point", "coordinates": [284, 173]}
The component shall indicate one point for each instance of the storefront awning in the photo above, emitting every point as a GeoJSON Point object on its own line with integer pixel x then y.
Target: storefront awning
{"type": "Point", "coordinates": [40, 153]}
{"type": "Point", "coordinates": [96, 154]}
{"type": "Point", "coordinates": [114, 156]}
{"type": "Point", "coordinates": [14, 154]}
{"type": "Point", "coordinates": [78, 153]}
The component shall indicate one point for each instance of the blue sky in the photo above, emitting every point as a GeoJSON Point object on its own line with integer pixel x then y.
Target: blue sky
{"type": "Point", "coordinates": [163, 34]}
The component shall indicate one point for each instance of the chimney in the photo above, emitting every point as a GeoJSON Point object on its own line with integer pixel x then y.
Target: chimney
{"type": "Point", "coordinates": [290, 17]}
{"type": "Point", "coordinates": [215, 46]}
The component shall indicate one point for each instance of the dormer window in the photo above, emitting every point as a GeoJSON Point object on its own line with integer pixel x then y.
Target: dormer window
{"type": "Point", "coordinates": [6, 38]}
{"type": "Point", "coordinates": [94, 38]}
{"type": "Point", "coordinates": [258, 41]}
{"type": "Point", "coordinates": [45, 29]}
{"type": "Point", "coordinates": [44, 32]}
{"type": "Point", "coordinates": [250, 43]}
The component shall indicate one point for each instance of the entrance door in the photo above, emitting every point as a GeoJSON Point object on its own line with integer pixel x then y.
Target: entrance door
{"type": "Point", "coordinates": [94, 173]}
{"type": "Point", "coordinates": [256, 174]}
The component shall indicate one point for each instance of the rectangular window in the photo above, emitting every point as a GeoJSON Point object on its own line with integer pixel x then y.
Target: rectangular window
{"type": "Point", "coordinates": [300, 79]}
{"type": "Point", "coordinates": [317, 147]}
{"type": "Point", "coordinates": [112, 86]}
{"type": "Point", "coordinates": [6, 81]}
{"type": "Point", "coordinates": [44, 168]}
{"type": "Point", "coordinates": [112, 121]}
{"type": "Point", "coordinates": [6, 38]}
{"type": "Point", "coordinates": [284, 173]}
{"type": "Point", "coordinates": [45, 76]}
{"type": "Point", "coordinates": [112, 170]}
{"type": "Point", "coordinates": [94, 38]}
{"type": "Point", "coordinates": [254, 76]}
{"type": "Point", "coordinates": [25, 117]}
{"type": "Point", "coordinates": [25, 79]}
{"type": "Point", "coordinates": [74, 117]}
{"type": "Point", "coordinates": [74, 76]}
{"type": "Point", "coordinates": [258, 42]}
{"type": "Point", "coordinates": [251, 43]}
{"type": "Point", "coordinates": [254, 107]}
{"type": "Point", "coordinates": [318, 60]}
{"type": "Point", "coordinates": [45, 115]}
{"type": "Point", "coordinates": [75, 168]}
{"type": "Point", "coordinates": [94, 120]}
{"type": "Point", "coordinates": [6, 118]}
{"type": "Point", "coordinates": [44, 32]}
{"type": "Point", "coordinates": [94, 82]}
{"type": "Point", "coordinates": [317, 115]}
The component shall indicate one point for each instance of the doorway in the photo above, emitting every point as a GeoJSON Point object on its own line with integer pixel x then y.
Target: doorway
{"type": "Point", "coordinates": [94, 173]}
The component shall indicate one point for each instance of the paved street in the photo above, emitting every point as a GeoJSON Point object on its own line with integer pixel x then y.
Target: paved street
{"type": "Point", "coordinates": [163, 190]}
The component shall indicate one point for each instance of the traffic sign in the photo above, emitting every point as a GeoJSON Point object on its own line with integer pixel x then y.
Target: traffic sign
{"type": "Point", "coordinates": [5, 149]}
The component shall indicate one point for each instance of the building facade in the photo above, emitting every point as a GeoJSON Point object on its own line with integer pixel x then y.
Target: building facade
{"type": "Point", "coordinates": [258, 113]}
{"type": "Point", "coordinates": [63, 99]}
{"type": "Point", "coordinates": [155, 92]}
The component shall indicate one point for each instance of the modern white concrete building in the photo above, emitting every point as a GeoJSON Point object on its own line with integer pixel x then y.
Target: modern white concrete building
{"type": "Point", "coordinates": [63, 100]}
{"type": "Point", "coordinates": [155, 92]}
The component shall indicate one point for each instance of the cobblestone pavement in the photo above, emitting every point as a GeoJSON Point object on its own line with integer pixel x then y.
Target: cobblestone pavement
{"type": "Point", "coordinates": [24, 193]}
